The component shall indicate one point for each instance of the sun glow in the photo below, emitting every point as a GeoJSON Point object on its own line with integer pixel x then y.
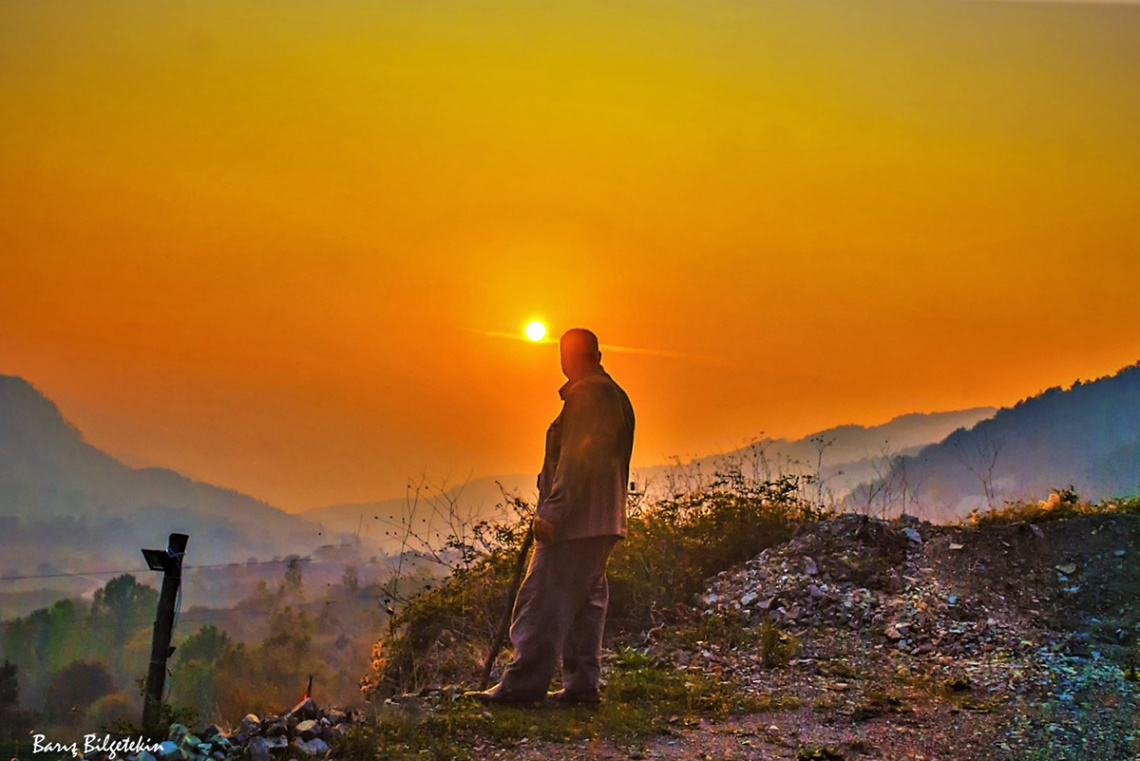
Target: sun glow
{"type": "Point", "coordinates": [535, 331]}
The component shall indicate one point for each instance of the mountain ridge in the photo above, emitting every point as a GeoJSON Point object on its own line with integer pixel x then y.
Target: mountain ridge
{"type": "Point", "coordinates": [1086, 436]}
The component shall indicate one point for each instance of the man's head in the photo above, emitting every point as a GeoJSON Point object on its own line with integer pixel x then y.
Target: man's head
{"type": "Point", "coordinates": [579, 349]}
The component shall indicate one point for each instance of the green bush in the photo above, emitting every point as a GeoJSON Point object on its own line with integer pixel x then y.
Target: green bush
{"type": "Point", "coordinates": [1061, 503]}
{"type": "Point", "coordinates": [672, 547]}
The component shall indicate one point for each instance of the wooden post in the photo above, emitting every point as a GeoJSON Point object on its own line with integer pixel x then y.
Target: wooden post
{"type": "Point", "coordinates": [168, 561]}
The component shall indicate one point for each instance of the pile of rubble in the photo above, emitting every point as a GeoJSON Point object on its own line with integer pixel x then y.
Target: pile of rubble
{"type": "Point", "coordinates": [873, 577]}
{"type": "Point", "coordinates": [307, 731]}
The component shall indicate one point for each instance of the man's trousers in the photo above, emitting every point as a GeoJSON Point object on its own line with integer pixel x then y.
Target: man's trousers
{"type": "Point", "coordinates": [560, 612]}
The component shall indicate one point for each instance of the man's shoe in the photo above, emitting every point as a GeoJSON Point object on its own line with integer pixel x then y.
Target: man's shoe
{"type": "Point", "coordinates": [498, 696]}
{"type": "Point", "coordinates": [576, 697]}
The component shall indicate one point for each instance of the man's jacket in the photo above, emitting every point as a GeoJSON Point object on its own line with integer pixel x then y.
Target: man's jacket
{"type": "Point", "coordinates": [585, 474]}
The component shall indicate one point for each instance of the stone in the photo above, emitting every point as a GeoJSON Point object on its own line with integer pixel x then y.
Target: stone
{"type": "Point", "coordinates": [308, 729]}
{"type": "Point", "coordinates": [169, 751]}
{"type": "Point", "coordinates": [314, 747]}
{"type": "Point", "coordinates": [306, 709]}
{"type": "Point", "coordinates": [251, 725]}
{"type": "Point", "coordinates": [913, 535]}
{"type": "Point", "coordinates": [258, 749]}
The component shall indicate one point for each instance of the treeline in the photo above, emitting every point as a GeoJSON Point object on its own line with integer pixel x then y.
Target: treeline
{"type": "Point", "coordinates": [73, 662]}
{"type": "Point", "coordinates": [1086, 436]}
{"type": "Point", "coordinates": [81, 664]}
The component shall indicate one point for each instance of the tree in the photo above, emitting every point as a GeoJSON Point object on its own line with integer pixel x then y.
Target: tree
{"type": "Point", "coordinates": [980, 458]}
{"type": "Point", "coordinates": [74, 688]}
{"type": "Point", "coordinates": [9, 694]}
{"type": "Point", "coordinates": [119, 610]}
{"type": "Point", "coordinates": [293, 586]}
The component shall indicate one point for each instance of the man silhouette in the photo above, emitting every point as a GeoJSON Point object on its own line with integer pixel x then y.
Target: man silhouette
{"type": "Point", "coordinates": [560, 610]}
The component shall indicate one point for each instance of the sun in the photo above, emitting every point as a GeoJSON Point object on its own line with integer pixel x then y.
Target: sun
{"type": "Point", "coordinates": [535, 330]}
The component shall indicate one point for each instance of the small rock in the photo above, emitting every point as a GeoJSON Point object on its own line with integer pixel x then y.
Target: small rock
{"type": "Point", "coordinates": [308, 729]}
{"type": "Point", "coordinates": [1067, 568]}
{"type": "Point", "coordinates": [314, 747]}
{"type": "Point", "coordinates": [306, 709]}
{"type": "Point", "coordinates": [251, 725]}
{"type": "Point", "coordinates": [258, 749]}
{"type": "Point", "coordinates": [956, 547]}
{"type": "Point", "coordinates": [278, 742]}
{"type": "Point", "coordinates": [168, 751]}
{"type": "Point", "coordinates": [748, 598]}
{"type": "Point", "coordinates": [812, 569]}
{"type": "Point", "coordinates": [913, 535]}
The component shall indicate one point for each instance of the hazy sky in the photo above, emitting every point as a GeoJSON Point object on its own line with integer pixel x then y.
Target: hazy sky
{"type": "Point", "coordinates": [272, 244]}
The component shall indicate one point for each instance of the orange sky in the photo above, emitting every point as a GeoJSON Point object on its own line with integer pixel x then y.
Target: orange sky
{"type": "Point", "coordinates": [267, 243]}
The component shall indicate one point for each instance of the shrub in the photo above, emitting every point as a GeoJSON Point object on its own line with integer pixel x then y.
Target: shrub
{"type": "Point", "coordinates": [1061, 503]}
{"type": "Point", "coordinates": [672, 547]}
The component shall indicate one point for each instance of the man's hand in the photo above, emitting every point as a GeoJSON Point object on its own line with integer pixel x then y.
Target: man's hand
{"type": "Point", "coordinates": [543, 530]}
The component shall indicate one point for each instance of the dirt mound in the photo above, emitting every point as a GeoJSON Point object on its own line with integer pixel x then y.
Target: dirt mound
{"type": "Point", "coordinates": [954, 590]}
{"type": "Point", "coordinates": [908, 639]}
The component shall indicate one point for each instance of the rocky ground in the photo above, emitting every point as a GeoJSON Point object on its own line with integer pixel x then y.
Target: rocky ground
{"type": "Point", "coordinates": [922, 641]}
{"type": "Point", "coordinates": [857, 639]}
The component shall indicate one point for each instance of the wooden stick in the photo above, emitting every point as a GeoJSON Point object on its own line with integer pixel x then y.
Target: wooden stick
{"type": "Point", "coordinates": [505, 624]}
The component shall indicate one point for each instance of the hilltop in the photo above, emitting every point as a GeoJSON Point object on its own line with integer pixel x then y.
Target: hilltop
{"type": "Point", "coordinates": [67, 506]}
{"type": "Point", "coordinates": [862, 638]}
{"type": "Point", "coordinates": [1086, 436]}
{"type": "Point", "coordinates": [1014, 637]}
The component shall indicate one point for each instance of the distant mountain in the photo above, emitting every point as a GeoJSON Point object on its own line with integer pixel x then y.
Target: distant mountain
{"type": "Point", "coordinates": [379, 523]}
{"type": "Point", "coordinates": [1087, 436]}
{"type": "Point", "coordinates": [842, 457]}
{"type": "Point", "coordinates": [65, 503]}
{"type": "Point", "coordinates": [851, 454]}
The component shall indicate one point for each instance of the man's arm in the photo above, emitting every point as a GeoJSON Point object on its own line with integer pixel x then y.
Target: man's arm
{"type": "Point", "coordinates": [581, 436]}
